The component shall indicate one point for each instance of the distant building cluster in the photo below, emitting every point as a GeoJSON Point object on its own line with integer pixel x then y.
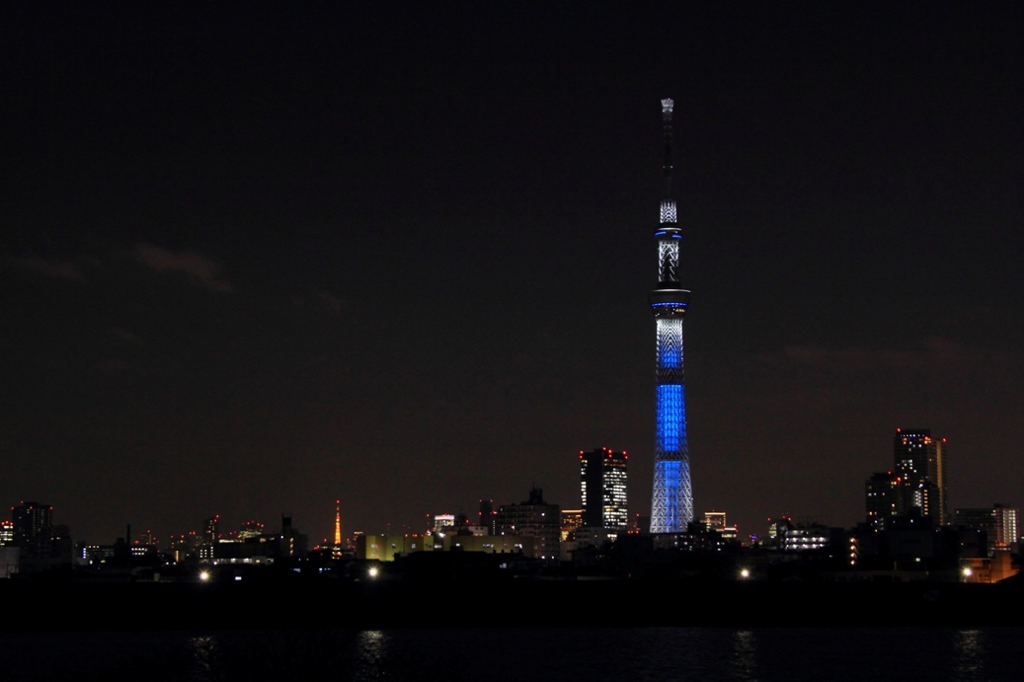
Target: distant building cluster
{"type": "Point", "coordinates": [909, 532]}
{"type": "Point", "coordinates": [907, 535]}
{"type": "Point", "coordinates": [915, 486]}
{"type": "Point", "coordinates": [31, 543]}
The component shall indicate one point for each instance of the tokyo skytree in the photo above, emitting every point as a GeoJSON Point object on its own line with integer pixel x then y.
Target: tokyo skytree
{"type": "Point", "coordinates": [672, 499]}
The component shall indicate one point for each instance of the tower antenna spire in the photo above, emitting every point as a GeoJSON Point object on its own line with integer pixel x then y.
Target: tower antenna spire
{"type": "Point", "coordinates": [667, 105]}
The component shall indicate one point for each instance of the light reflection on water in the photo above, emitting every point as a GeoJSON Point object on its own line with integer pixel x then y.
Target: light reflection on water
{"type": "Point", "coordinates": [511, 654]}
{"type": "Point", "coordinates": [372, 654]}
{"type": "Point", "coordinates": [744, 661]}
{"type": "Point", "coordinates": [282, 654]}
{"type": "Point", "coordinates": [969, 653]}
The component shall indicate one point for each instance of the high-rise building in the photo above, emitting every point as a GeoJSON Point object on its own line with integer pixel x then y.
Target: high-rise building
{"type": "Point", "coordinates": [937, 467]}
{"type": "Point", "coordinates": [603, 489]}
{"type": "Point", "coordinates": [487, 517]}
{"type": "Point", "coordinates": [33, 529]}
{"type": "Point", "coordinates": [672, 498]}
{"type": "Point", "coordinates": [1007, 536]}
{"type": "Point", "coordinates": [210, 528]}
{"type": "Point", "coordinates": [919, 463]}
{"type": "Point", "coordinates": [883, 499]}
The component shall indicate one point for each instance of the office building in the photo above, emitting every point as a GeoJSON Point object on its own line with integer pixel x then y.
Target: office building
{"type": "Point", "coordinates": [442, 523]}
{"type": "Point", "coordinates": [572, 519]}
{"type": "Point", "coordinates": [533, 518]}
{"type": "Point", "coordinates": [211, 527]}
{"type": "Point", "coordinates": [33, 530]}
{"type": "Point", "coordinates": [603, 489]}
{"type": "Point", "coordinates": [487, 517]}
{"type": "Point", "coordinates": [672, 496]}
{"type": "Point", "coordinates": [716, 521]}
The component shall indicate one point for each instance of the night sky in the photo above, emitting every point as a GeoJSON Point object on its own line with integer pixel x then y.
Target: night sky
{"type": "Point", "coordinates": [258, 258]}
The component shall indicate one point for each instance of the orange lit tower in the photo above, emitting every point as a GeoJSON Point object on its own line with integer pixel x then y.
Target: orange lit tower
{"type": "Point", "coordinates": [337, 528]}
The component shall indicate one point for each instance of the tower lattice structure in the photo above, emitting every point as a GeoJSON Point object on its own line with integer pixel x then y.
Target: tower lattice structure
{"type": "Point", "coordinates": [672, 499]}
{"type": "Point", "coordinates": [337, 548]}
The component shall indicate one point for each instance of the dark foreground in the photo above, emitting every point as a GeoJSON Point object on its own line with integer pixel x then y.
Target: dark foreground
{"type": "Point", "coordinates": [40, 606]}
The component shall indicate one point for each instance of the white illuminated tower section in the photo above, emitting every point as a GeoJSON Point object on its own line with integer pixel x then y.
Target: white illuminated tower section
{"type": "Point", "coordinates": [672, 500]}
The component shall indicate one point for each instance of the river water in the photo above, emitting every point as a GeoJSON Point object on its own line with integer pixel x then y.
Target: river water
{"type": "Point", "coordinates": [515, 654]}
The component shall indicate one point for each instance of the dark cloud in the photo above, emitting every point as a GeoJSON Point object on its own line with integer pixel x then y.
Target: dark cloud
{"type": "Point", "coordinates": [126, 335]}
{"type": "Point", "coordinates": [198, 269]}
{"type": "Point", "coordinates": [330, 302]}
{"type": "Point", "coordinates": [61, 269]}
{"type": "Point", "coordinates": [934, 350]}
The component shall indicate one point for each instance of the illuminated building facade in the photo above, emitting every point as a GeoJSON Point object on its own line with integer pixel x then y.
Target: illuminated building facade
{"type": "Point", "coordinates": [998, 523]}
{"type": "Point", "coordinates": [603, 489]}
{"type": "Point", "coordinates": [919, 463]}
{"type": "Point", "coordinates": [672, 498]}
{"type": "Point", "coordinates": [387, 547]}
{"type": "Point", "coordinates": [1007, 530]}
{"type": "Point", "coordinates": [715, 520]}
{"type": "Point", "coordinates": [442, 522]}
{"type": "Point", "coordinates": [572, 519]}
{"type": "Point", "coordinates": [250, 530]}
{"type": "Point", "coordinates": [789, 537]}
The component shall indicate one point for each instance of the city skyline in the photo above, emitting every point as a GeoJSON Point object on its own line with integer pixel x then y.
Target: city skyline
{"type": "Point", "coordinates": [259, 263]}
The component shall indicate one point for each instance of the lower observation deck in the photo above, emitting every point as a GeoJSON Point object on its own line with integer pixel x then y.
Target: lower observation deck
{"type": "Point", "coordinates": [669, 302]}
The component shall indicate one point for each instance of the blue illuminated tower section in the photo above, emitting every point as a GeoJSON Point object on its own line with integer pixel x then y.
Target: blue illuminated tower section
{"type": "Point", "coordinates": [672, 500]}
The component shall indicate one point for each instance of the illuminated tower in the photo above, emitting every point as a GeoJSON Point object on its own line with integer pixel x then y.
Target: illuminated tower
{"type": "Point", "coordinates": [672, 500]}
{"type": "Point", "coordinates": [337, 549]}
